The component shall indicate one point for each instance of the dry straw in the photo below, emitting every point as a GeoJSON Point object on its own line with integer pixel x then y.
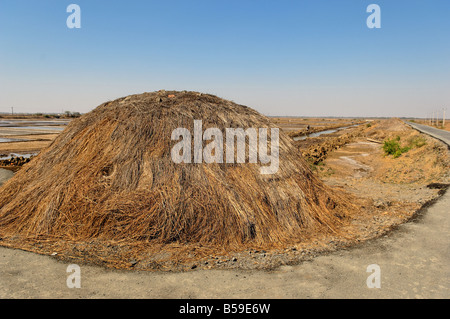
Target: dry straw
{"type": "Point", "coordinates": [108, 178]}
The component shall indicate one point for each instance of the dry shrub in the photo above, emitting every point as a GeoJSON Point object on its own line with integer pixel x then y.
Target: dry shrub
{"type": "Point", "coordinates": [109, 178]}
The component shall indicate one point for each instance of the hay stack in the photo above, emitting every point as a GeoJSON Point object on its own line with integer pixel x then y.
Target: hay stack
{"type": "Point", "coordinates": [109, 177]}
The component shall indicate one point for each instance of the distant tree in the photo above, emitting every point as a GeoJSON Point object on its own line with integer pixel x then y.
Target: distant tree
{"type": "Point", "coordinates": [72, 114]}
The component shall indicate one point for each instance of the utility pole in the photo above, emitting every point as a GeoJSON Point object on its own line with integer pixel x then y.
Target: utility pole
{"type": "Point", "coordinates": [443, 117]}
{"type": "Point", "coordinates": [12, 110]}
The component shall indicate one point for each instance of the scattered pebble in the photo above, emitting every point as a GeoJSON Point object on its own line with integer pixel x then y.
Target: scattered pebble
{"type": "Point", "coordinates": [133, 262]}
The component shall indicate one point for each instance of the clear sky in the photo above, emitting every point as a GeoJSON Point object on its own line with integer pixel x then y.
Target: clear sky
{"type": "Point", "coordinates": [306, 58]}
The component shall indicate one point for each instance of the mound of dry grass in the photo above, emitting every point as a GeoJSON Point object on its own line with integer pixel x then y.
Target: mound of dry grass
{"type": "Point", "coordinates": [109, 177]}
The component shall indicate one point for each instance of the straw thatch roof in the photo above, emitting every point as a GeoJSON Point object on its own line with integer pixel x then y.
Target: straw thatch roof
{"type": "Point", "coordinates": [109, 177]}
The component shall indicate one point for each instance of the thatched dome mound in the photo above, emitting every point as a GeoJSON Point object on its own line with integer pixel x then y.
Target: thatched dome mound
{"type": "Point", "coordinates": [109, 178]}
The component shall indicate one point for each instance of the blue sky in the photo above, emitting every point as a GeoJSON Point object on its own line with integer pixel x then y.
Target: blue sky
{"type": "Point", "coordinates": [306, 58]}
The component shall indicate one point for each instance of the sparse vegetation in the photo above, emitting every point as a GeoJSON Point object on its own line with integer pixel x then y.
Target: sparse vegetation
{"type": "Point", "coordinates": [394, 148]}
{"type": "Point", "coordinates": [417, 141]}
{"type": "Point", "coordinates": [314, 166]}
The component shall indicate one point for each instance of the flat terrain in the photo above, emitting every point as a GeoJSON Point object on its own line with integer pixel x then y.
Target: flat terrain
{"type": "Point", "coordinates": [289, 124]}
{"type": "Point", "coordinates": [28, 135]}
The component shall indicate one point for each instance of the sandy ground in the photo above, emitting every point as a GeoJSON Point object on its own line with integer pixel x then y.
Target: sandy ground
{"type": "Point", "coordinates": [35, 144]}
{"type": "Point", "coordinates": [363, 162]}
{"type": "Point", "coordinates": [25, 147]}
